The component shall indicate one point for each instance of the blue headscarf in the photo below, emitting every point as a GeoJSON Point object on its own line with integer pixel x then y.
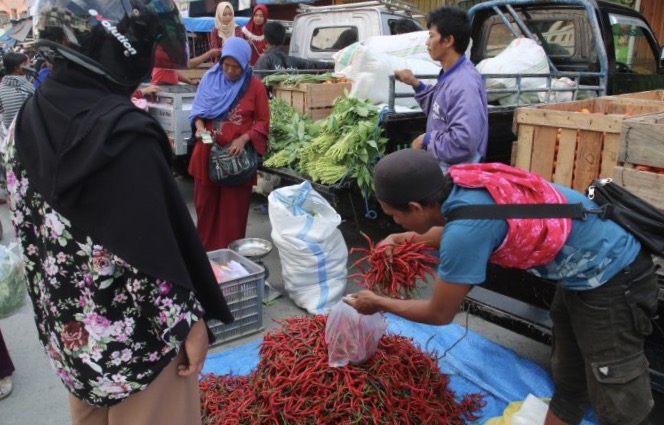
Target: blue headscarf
{"type": "Point", "coordinates": [216, 95]}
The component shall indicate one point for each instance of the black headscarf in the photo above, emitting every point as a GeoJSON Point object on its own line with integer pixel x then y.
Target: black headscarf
{"type": "Point", "coordinates": [104, 165]}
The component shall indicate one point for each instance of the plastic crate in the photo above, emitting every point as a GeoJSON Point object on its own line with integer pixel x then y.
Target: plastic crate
{"type": "Point", "coordinates": [244, 297]}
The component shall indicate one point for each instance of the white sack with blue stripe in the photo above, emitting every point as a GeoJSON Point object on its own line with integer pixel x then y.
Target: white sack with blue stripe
{"type": "Point", "coordinates": [311, 247]}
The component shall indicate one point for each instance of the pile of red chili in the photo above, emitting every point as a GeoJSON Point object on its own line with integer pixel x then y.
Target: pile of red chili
{"type": "Point", "coordinates": [394, 270]}
{"type": "Point", "coordinates": [293, 384]}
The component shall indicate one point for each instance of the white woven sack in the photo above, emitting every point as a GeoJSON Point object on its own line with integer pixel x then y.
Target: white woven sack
{"type": "Point", "coordinates": [521, 56]}
{"type": "Point", "coordinates": [370, 75]}
{"type": "Point", "coordinates": [312, 249]}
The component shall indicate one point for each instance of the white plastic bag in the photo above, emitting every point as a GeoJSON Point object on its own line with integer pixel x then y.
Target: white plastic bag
{"type": "Point", "coordinates": [12, 284]}
{"type": "Point", "coordinates": [312, 250]}
{"type": "Point", "coordinates": [352, 337]}
{"type": "Point", "coordinates": [532, 412]}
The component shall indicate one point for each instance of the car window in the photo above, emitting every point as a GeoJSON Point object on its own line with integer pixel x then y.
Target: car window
{"type": "Point", "coordinates": [634, 53]}
{"type": "Point", "coordinates": [557, 37]}
{"type": "Point", "coordinates": [333, 38]}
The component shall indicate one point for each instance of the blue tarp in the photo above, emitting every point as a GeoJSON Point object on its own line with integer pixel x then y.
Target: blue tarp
{"type": "Point", "coordinates": [283, 1]}
{"type": "Point", "coordinates": [474, 365]}
{"type": "Point", "coordinates": [205, 24]}
{"type": "Point", "coordinates": [5, 38]}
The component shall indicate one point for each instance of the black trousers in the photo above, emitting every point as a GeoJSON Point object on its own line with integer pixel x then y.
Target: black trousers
{"type": "Point", "coordinates": [597, 354]}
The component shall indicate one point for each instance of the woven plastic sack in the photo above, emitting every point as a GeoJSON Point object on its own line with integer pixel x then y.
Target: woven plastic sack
{"type": "Point", "coordinates": [352, 337]}
{"type": "Point", "coordinates": [312, 249]}
{"type": "Point", "coordinates": [521, 56]}
{"type": "Point", "coordinates": [12, 286]}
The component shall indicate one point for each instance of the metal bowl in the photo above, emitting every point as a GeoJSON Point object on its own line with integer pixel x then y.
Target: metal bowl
{"type": "Point", "coordinates": [252, 248]}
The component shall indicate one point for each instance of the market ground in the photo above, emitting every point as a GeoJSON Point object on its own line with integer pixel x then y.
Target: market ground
{"type": "Point", "coordinates": [40, 399]}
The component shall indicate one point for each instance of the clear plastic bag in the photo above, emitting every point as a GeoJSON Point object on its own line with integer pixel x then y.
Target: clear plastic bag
{"type": "Point", "coordinates": [12, 285]}
{"type": "Point", "coordinates": [352, 337]}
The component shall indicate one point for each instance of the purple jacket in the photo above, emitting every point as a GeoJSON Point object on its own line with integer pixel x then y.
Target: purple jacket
{"type": "Point", "coordinates": [457, 115]}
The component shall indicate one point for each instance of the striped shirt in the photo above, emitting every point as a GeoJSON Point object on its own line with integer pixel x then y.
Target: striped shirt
{"type": "Point", "coordinates": [14, 89]}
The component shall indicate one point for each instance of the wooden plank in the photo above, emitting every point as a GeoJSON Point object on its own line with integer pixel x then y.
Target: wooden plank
{"type": "Point", "coordinates": [524, 146]}
{"type": "Point", "coordinates": [298, 101]}
{"type": "Point", "coordinates": [513, 155]}
{"type": "Point", "coordinates": [628, 107]}
{"type": "Point", "coordinates": [573, 120]}
{"type": "Point", "coordinates": [642, 140]}
{"type": "Point", "coordinates": [544, 149]}
{"type": "Point", "coordinates": [647, 185]}
{"type": "Point", "coordinates": [588, 158]}
{"type": "Point", "coordinates": [323, 95]}
{"type": "Point", "coordinates": [575, 106]}
{"type": "Point", "coordinates": [656, 95]}
{"type": "Point", "coordinates": [307, 97]}
{"type": "Point", "coordinates": [319, 113]}
{"type": "Point", "coordinates": [565, 158]}
{"type": "Point", "coordinates": [609, 155]}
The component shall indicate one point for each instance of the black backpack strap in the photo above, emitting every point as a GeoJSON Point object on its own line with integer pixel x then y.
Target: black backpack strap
{"type": "Point", "coordinates": [505, 211]}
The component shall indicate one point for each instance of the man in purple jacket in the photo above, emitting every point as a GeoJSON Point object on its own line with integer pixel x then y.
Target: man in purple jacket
{"type": "Point", "coordinates": [456, 106]}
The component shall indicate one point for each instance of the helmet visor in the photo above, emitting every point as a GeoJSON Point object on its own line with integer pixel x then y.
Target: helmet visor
{"type": "Point", "coordinates": [116, 39]}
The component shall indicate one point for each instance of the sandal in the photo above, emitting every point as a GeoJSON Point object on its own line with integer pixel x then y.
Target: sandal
{"type": "Point", "coordinates": [6, 387]}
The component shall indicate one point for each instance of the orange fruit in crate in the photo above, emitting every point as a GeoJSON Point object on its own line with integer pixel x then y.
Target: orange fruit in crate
{"type": "Point", "coordinates": [585, 111]}
{"type": "Point", "coordinates": [645, 168]}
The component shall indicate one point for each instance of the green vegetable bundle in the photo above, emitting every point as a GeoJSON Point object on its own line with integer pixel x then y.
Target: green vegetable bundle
{"type": "Point", "coordinates": [289, 131]}
{"type": "Point", "coordinates": [287, 79]}
{"type": "Point", "coordinates": [347, 145]}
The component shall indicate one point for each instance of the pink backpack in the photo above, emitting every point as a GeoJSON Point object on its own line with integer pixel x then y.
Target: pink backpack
{"type": "Point", "coordinates": [529, 241]}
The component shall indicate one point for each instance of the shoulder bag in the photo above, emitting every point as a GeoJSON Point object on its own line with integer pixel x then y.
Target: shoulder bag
{"type": "Point", "coordinates": [229, 170]}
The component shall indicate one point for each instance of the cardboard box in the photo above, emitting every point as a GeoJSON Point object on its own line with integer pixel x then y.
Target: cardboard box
{"type": "Point", "coordinates": [314, 100]}
{"type": "Point", "coordinates": [571, 147]}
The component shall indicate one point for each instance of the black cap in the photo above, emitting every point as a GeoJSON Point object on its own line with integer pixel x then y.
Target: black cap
{"type": "Point", "coordinates": [408, 175]}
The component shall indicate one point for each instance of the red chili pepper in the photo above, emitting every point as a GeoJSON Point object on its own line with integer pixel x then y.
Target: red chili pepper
{"type": "Point", "coordinates": [395, 274]}
{"type": "Point", "coordinates": [293, 384]}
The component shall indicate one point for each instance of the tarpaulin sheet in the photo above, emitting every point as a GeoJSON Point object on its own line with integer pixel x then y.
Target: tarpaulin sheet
{"type": "Point", "coordinates": [283, 1]}
{"type": "Point", "coordinates": [205, 24]}
{"type": "Point", "coordinates": [474, 365]}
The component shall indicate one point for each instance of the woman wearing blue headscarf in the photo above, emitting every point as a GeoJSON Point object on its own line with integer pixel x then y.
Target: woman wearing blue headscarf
{"type": "Point", "coordinates": [232, 105]}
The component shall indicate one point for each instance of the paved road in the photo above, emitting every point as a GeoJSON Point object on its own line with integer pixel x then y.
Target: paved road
{"type": "Point", "coordinates": [40, 399]}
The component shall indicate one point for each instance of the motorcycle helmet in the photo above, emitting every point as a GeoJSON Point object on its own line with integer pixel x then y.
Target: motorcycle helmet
{"type": "Point", "coordinates": [113, 38]}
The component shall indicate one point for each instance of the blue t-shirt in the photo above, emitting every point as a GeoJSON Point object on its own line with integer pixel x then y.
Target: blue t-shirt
{"type": "Point", "coordinates": [594, 252]}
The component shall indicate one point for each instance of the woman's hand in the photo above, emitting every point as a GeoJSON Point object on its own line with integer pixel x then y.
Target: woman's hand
{"type": "Point", "coordinates": [365, 302]}
{"type": "Point", "coordinates": [195, 348]}
{"type": "Point", "coordinates": [237, 146]}
{"type": "Point", "coordinates": [200, 128]}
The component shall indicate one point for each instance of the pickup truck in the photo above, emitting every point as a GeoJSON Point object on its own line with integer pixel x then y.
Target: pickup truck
{"type": "Point", "coordinates": [321, 31]}
{"type": "Point", "coordinates": [606, 49]}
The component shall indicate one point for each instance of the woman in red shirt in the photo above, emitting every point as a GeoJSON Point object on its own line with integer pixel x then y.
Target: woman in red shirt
{"type": "Point", "coordinates": [224, 25]}
{"type": "Point", "coordinates": [232, 105]}
{"type": "Point", "coordinates": [253, 32]}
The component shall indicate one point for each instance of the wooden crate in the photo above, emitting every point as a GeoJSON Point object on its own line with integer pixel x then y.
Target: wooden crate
{"type": "Point", "coordinates": [314, 100]}
{"type": "Point", "coordinates": [570, 147]}
{"type": "Point", "coordinates": [642, 144]}
{"type": "Point", "coordinates": [651, 95]}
